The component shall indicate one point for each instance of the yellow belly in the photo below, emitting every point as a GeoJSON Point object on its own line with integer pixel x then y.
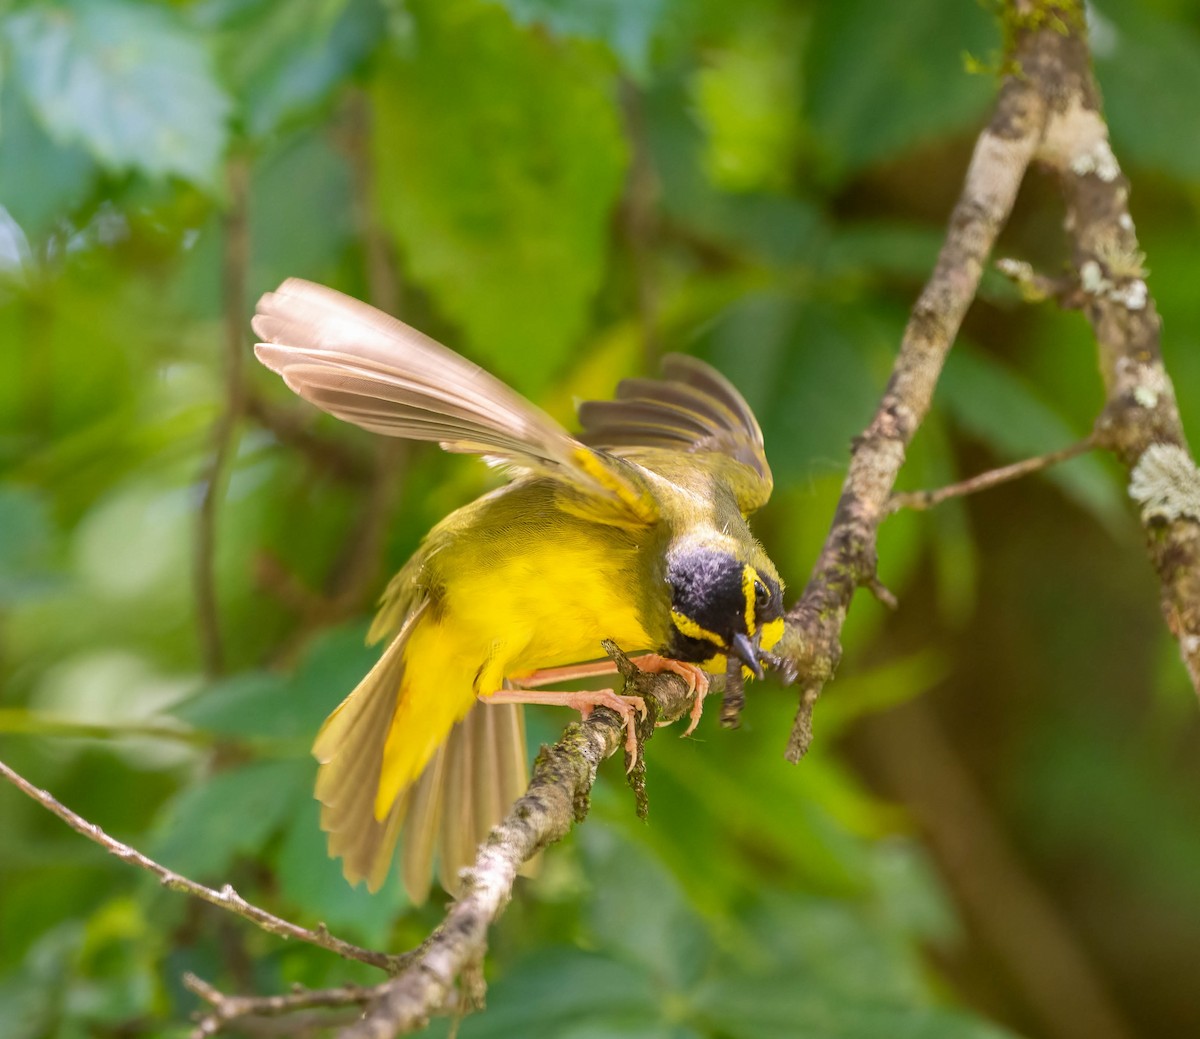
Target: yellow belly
{"type": "Point", "coordinates": [518, 619]}
{"type": "Point", "coordinates": [498, 616]}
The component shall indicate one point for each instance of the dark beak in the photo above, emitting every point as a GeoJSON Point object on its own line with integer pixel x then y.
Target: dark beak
{"type": "Point", "coordinates": [748, 652]}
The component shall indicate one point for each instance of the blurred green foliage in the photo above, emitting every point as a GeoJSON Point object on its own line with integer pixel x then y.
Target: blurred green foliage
{"type": "Point", "coordinates": [564, 189]}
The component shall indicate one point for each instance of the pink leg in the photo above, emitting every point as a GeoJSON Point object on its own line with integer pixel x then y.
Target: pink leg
{"type": "Point", "coordinates": [570, 673]}
{"type": "Point", "coordinates": [583, 701]}
{"type": "Point", "coordinates": [697, 680]}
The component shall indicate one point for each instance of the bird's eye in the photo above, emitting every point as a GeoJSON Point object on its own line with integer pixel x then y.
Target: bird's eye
{"type": "Point", "coordinates": [762, 595]}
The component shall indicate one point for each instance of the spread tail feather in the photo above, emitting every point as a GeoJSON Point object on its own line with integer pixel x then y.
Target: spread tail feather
{"type": "Point", "coordinates": [462, 792]}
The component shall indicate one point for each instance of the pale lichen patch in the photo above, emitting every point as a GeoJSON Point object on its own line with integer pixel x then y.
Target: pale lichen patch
{"type": "Point", "coordinates": [1166, 483]}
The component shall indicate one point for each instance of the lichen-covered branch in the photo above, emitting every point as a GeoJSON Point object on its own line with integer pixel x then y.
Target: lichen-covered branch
{"type": "Point", "coordinates": [557, 798]}
{"type": "Point", "coordinates": [847, 560]}
{"type": "Point", "coordinates": [423, 980]}
{"type": "Point", "coordinates": [1140, 421]}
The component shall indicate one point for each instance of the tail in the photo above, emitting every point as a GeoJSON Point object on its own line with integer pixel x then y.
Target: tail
{"type": "Point", "coordinates": [474, 770]}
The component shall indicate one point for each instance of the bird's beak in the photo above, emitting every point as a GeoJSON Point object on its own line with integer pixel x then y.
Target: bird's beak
{"type": "Point", "coordinates": [748, 652]}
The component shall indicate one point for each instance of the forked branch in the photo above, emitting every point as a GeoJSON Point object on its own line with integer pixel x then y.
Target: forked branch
{"type": "Point", "coordinates": [423, 980]}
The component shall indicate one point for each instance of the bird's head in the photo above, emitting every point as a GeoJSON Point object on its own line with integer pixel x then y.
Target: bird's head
{"type": "Point", "coordinates": [726, 599]}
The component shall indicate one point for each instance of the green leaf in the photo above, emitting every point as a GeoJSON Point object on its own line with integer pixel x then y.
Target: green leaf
{"type": "Point", "coordinates": [786, 1007]}
{"type": "Point", "coordinates": [628, 27]}
{"type": "Point", "coordinates": [747, 96]}
{"type": "Point", "coordinates": [1146, 63]}
{"type": "Point", "coordinates": [556, 989]}
{"type": "Point", "coordinates": [31, 996]}
{"type": "Point", "coordinates": [40, 182]}
{"type": "Point", "coordinates": [229, 814]}
{"type": "Point", "coordinates": [499, 157]}
{"type": "Point", "coordinates": [778, 229]}
{"type": "Point", "coordinates": [804, 367]}
{"type": "Point", "coordinates": [312, 881]}
{"type": "Point", "coordinates": [884, 78]}
{"type": "Point", "coordinates": [998, 406]}
{"type": "Point", "coordinates": [125, 80]}
{"type": "Point", "coordinates": [879, 689]}
{"type": "Point", "coordinates": [306, 173]}
{"type": "Point", "coordinates": [638, 912]}
{"type": "Point", "coordinates": [904, 250]}
{"type": "Point", "coordinates": [282, 58]}
{"type": "Point", "coordinates": [264, 705]}
{"type": "Point", "coordinates": [25, 544]}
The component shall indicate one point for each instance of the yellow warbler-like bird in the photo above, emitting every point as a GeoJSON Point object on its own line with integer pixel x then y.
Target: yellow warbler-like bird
{"type": "Point", "coordinates": [635, 531]}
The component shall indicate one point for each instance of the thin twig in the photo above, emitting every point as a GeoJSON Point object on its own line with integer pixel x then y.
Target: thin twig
{"type": "Point", "coordinates": [234, 274]}
{"type": "Point", "coordinates": [921, 500]}
{"type": "Point", "coordinates": [228, 1009]}
{"type": "Point", "coordinates": [639, 218]}
{"type": "Point", "coordinates": [291, 426]}
{"type": "Point", "coordinates": [1036, 287]}
{"type": "Point", "coordinates": [226, 898]}
{"type": "Point", "coordinates": [423, 979]}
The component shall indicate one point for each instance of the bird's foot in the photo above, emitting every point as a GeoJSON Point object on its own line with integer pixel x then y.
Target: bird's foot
{"type": "Point", "coordinates": [630, 708]}
{"type": "Point", "coordinates": [696, 678]}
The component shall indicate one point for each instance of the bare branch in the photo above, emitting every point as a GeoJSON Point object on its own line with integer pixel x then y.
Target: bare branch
{"type": "Point", "coordinates": [921, 500]}
{"type": "Point", "coordinates": [423, 979]}
{"type": "Point", "coordinates": [243, 1010]}
{"type": "Point", "coordinates": [226, 898]}
{"type": "Point", "coordinates": [353, 573]}
{"type": "Point", "coordinates": [291, 426]}
{"type": "Point", "coordinates": [1036, 287]}
{"type": "Point", "coordinates": [557, 797]}
{"type": "Point", "coordinates": [1003, 902]}
{"type": "Point", "coordinates": [639, 219]}
{"type": "Point", "coordinates": [236, 266]}
{"type": "Point", "coordinates": [847, 560]}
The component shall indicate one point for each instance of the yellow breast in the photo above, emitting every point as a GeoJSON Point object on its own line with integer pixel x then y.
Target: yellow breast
{"type": "Point", "coordinates": [545, 607]}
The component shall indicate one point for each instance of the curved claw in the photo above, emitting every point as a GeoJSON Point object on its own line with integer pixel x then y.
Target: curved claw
{"type": "Point", "coordinates": [696, 678]}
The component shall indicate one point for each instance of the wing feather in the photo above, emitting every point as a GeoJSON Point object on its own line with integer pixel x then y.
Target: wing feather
{"type": "Point", "coordinates": [365, 367]}
{"type": "Point", "coordinates": [693, 409]}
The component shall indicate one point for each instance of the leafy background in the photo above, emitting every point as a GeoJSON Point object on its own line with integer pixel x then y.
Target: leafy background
{"type": "Point", "coordinates": [564, 191]}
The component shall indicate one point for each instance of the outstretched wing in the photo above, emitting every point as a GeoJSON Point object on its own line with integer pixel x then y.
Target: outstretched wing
{"type": "Point", "coordinates": [365, 367]}
{"type": "Point", "coordinates": [693, 409]}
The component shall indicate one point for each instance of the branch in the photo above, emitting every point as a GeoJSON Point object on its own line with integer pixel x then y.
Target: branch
{"type": "Point", "coordinates": [292, 427]}
{"type": "Point", "coordinates": [352, 574]}
{"type": "Point", "coordinates": [235, 268]}
{"type": "Point", "coordinates": [244, 1010]}
{"type": "Point", "coordinates": [847, 561]}
{"type": "Point", "coordinates": [423, 979]}
{"type": "Point", "coordinates": [1005, 907]}
{"type": "Point", "coordinates": [921, 500]}
{"type": "Point", "coordinates": [557, 797]}
{"type": "Point", "coordinates": [226, 898]}
{"type": "Point", "coordinates": [1140, 422]}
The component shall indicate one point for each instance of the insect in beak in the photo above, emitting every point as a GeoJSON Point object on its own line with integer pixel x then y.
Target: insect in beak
{"type": "Point", "coordinates": [748, 652]}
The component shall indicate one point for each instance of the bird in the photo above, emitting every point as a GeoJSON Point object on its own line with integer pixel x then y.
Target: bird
{"type": "Point", "coordinates": [634, 530]}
